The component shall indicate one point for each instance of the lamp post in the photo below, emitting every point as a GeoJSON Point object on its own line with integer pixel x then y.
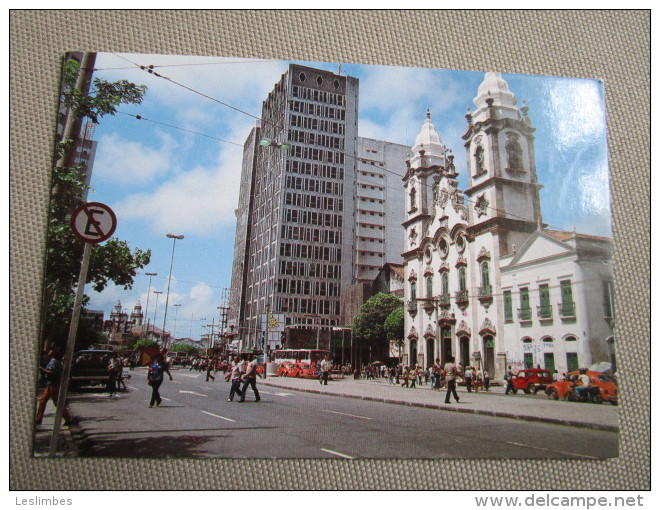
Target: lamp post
{"type": "Point", "coordinates": [157, 292]}
{"type": "Point", "coordinates": [176, 314]}
{"type": "Point", "coordinates": [169, 281]}
{"type": "Point", "coordinates": [146, 308]}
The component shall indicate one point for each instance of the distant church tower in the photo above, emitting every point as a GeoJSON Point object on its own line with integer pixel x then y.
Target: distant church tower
{"type": "Point", "coordinates": [502, 184]}
{"type": "Point", "coordinates": [137, 316]}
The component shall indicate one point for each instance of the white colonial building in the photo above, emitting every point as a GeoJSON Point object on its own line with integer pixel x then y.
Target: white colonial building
{"type": "Point", "coordinates": [486, 282]}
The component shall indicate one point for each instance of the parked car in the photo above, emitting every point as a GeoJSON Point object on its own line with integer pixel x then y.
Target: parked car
{"type": "Point", "coordinates": [609, 392]}
{"type": "Point", "coordinates": [90, 367]}
{"type": "Point", "coordinates": [288, 369]}
{"type": "Point", "coordinates": [531, 380]}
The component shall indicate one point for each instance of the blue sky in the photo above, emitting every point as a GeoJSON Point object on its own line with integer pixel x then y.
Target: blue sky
{"type": "Point", "coordinates": [178, 171]}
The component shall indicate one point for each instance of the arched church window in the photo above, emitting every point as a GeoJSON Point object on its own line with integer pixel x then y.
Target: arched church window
{"type": "Point", "coordinates": [444, 281]}
{"type": "Point", "coordinates": [413, 199]}
{"type": "Point", "coordinates": [479, 160]}
{"type": "Point", "coordinates": [461, 278]}
{"type": "Point", "coordinates": [514, 153]}
{"type": "Point", "coordinates": [429, 286]}
{"type": "Point", "coordinates": [485, 274]}
{"type": "Point", "coordinates": [413, 290]}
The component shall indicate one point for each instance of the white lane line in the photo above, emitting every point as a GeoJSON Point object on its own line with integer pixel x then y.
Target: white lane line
{"type": "Point", "coordinates": [552, 451]}
{"type": "Point", "coordinates": [276, 394]}
{"type": "Point", "coordinates": [133, 388]}
{"type": "Point", "coordinates": [192, 376]}
{"type": "Point", "coordinates": [332, 452]}
{"type": "Point", "coordinates": [193, 393]}
{"type": "Point", "coordinates": [218, 416]}
{"type": "Point", "coordinates": [346, 414]}
{"type": "Point", "coordinates": [168, 399]}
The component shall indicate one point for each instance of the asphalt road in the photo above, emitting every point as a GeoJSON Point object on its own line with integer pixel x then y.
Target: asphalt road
{"type": "Point", "coordinates": [196, 421]}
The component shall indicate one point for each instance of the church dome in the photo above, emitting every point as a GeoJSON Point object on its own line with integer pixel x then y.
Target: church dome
{"type": "Point", "coordinates": [495, 87]}
{"type": "Point", "coordinates": [428, 140]}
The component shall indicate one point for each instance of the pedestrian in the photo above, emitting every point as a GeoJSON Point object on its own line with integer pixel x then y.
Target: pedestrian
{"type": "Point", "coordinates": [468, 379]}
{"type": "Point", "coordinates": [113, 364]}
{"type": "Point", "coordinates": [406, 374]}
{"type": "Point", "coordinates": [435, 374]}
{"type": "Point", "coordinates": [451, 372]}
{"type": "Point", "coordinates": [325, 370]}
{"type": "Point", "coordinates": [236, 377]}
{"type": "Point", "coordinates": [478, 380]}
{"type": "Point", "coordinates": [53, 373]}
{"type": "Point", "coordinates": [209, 366]}
{"type": "Point", "coordinates": [157, 369]}
{"type": "Point", "coordinates": [251, 379]}
{"type": "Point", "coordinates": [508, 376]}
{"type": "Point", "coordinates": [414, 377]}
{"type": "Point", "coordinates": [121, 385]}
{"type": "Point", "coordinates": [486, 380]}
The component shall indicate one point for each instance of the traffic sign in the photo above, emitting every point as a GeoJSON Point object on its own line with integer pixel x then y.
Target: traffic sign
{"type": "Point", "coordinates": [93, 222]}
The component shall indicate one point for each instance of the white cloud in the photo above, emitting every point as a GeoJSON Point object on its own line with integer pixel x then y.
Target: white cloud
{"type": "Point", "coordinates": [198, 200]}
{"type": "Point", "coordinates": [124, 162]}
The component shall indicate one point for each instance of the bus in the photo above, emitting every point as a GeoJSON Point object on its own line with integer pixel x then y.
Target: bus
{"type": "Point", "coordinates": [311, 356]}
{"type": "Point", "coordinates": [298, 362]}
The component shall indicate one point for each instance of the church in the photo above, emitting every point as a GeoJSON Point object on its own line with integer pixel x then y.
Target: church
{"type": "Point", "coordinates": [485, 280]}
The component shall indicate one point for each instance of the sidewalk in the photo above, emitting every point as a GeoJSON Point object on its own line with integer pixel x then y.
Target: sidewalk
{"type": "Point", "coordinates": [494, 402]}
{"type": "Point", "coordinates": [69, 444]}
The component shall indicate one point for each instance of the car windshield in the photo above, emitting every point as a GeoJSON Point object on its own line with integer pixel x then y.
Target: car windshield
{"type": "Point", "coordinates": [605, 378]}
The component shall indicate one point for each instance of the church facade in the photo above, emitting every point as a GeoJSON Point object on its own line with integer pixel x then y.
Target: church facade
{"type": "Point", "coordinates": [485, 280]}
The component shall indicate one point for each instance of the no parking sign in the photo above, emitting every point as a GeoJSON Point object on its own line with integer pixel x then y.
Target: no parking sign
{"type": "Point", "coordinates": [93, 222]}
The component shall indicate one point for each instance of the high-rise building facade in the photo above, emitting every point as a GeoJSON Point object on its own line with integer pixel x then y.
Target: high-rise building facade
{"type": "Point", "coordinates": [296, 251]}
{"type": "Point", "coordinates": [315, 206]}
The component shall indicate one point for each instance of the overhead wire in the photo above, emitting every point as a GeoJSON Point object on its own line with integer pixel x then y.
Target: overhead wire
{"type": "Point", "coordinates": [150, 69]}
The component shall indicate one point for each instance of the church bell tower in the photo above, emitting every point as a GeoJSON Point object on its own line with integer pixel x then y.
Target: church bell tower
{"type": "Point", "coordinates": [503, 189]}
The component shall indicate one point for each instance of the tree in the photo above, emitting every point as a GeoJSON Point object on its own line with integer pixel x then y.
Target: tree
{"type": "Point", "coordinates": [190, 350]}
{"type": "Point", "coordinates": [394, 329]}
{"type": "Point", "coordinates": [144, 342]}
{"type": "Point", "coordinates": [112, 262]}
{"type": "Point", "coordinates": [369, 323]}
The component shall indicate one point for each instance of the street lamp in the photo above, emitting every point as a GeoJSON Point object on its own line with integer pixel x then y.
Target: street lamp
{"type": "Point", "coordinates": [146, 308]}
{"type": "Point", "coordinates": [157, 292]}
{"type": "Point", "coordinates": [176, 314]}
{"type": "Point", "coordinates": [169, 281]}
{"type": "Point", "coordinates": [271, 143]}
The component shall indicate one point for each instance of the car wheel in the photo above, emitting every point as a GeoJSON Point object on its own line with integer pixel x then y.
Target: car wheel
{"type": "Point", "coordinates": [530, 389]}
{"type": "Point", "coordinates": [515, 391]}
{"type": "Point", "coordinates": [597, 399]}
{"type": "Point", "coordinates": [552, 394]}
{"type": "Point", "coordinates": [614, 402]}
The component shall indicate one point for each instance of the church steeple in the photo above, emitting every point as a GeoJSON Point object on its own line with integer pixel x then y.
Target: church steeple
{"type": "Point", "coordinates": [428, 149]}
{"type": "Point", "coordinates": [502, 183]}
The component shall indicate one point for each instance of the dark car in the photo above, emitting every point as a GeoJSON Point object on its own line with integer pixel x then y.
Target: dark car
{"type": "Point", "coordinates": [90, 367]}
{"type": "Point", "coordinates": [531, 380]}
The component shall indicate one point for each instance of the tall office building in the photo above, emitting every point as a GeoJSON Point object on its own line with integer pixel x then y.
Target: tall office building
{"type": "Point", "coordinates": [313, 212]}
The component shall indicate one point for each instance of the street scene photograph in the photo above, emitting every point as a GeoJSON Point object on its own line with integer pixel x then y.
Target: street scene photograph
{"type": "Point", "coordinates": [280, 259]}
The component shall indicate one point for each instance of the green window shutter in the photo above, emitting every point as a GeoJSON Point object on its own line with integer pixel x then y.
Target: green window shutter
{"type": "Point", "coordinates": [508, 306]}
{"type": "Point", "coordinates": [445, 283]}
{"type": "Point", "coordinates": [545, 310]}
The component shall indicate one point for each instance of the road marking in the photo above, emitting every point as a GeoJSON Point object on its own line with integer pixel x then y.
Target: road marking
{"type": "Point", "coordinates": [192, 376]}
{"type": "Point", "coordinates": [553, 451]}
{"type": "Point", "coordinates": [193, 393]}
{"type": "Point", "coordinates": [165, 398]}
{"type": "Point", "coordinates": [133, 388]}
{"type": "Point", "coordinates": [276, 394]}
{"type": "Point", "coordinates": [346, 414]}
{"type": "Point", "coordinates": [332, 452]}
{"type": "Point", "coordinates": [218, 416]}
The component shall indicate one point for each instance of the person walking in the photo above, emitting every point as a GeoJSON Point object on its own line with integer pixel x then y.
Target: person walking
{"type": "Point", "coordinates": [211, 363]}
{"type": "Point", "coordinates": [251, 379]}
{"type": "Point", "coordinates": [53, 373]}
{"type": "Point", "coordinates": [508, 376]}
{"type": "Point", "coordinates": [325, 370]}
{"type": "Point", "coordinates": [451, 372]}
{"type": "Point", "coordinates": [155, 377]}
{"type": "Point", "coordinates": [468, 379]}
{"type": "Point", "coordinates": [236, 377]}
{"type": "Point", "coordinates": [486, 380]}
{"type": "Point", "coordinates": [113, 365]}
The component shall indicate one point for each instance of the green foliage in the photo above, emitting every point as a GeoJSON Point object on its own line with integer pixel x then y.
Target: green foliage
{"type": "Point", "coordinates": [394, 325]}
{"type": "Point", "coordinates": [106, 98]}
{"type": "Point", "coordinates": [112, 262]}
{"type": "Point", "coordinates": [369, 323]}
{"type": "Point", "coordinates": [188, 349]}
{"type": "Point", "coordinates": [144, 342]}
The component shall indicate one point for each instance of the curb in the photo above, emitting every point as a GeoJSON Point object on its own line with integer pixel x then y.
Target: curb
{"type": "Point", "coordinates": [501, 414]}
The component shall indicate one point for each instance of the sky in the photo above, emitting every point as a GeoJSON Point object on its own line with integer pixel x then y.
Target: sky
{"type": "Point", "coordinates": [177, 170]}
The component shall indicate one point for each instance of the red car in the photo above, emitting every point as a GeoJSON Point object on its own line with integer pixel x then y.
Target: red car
{"type": "Point", "coordinates": [607, 386]}
{"type": "Point", "coordinates": [288, 369]}
{"type": "Point", "coordinates": [531, 380]}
